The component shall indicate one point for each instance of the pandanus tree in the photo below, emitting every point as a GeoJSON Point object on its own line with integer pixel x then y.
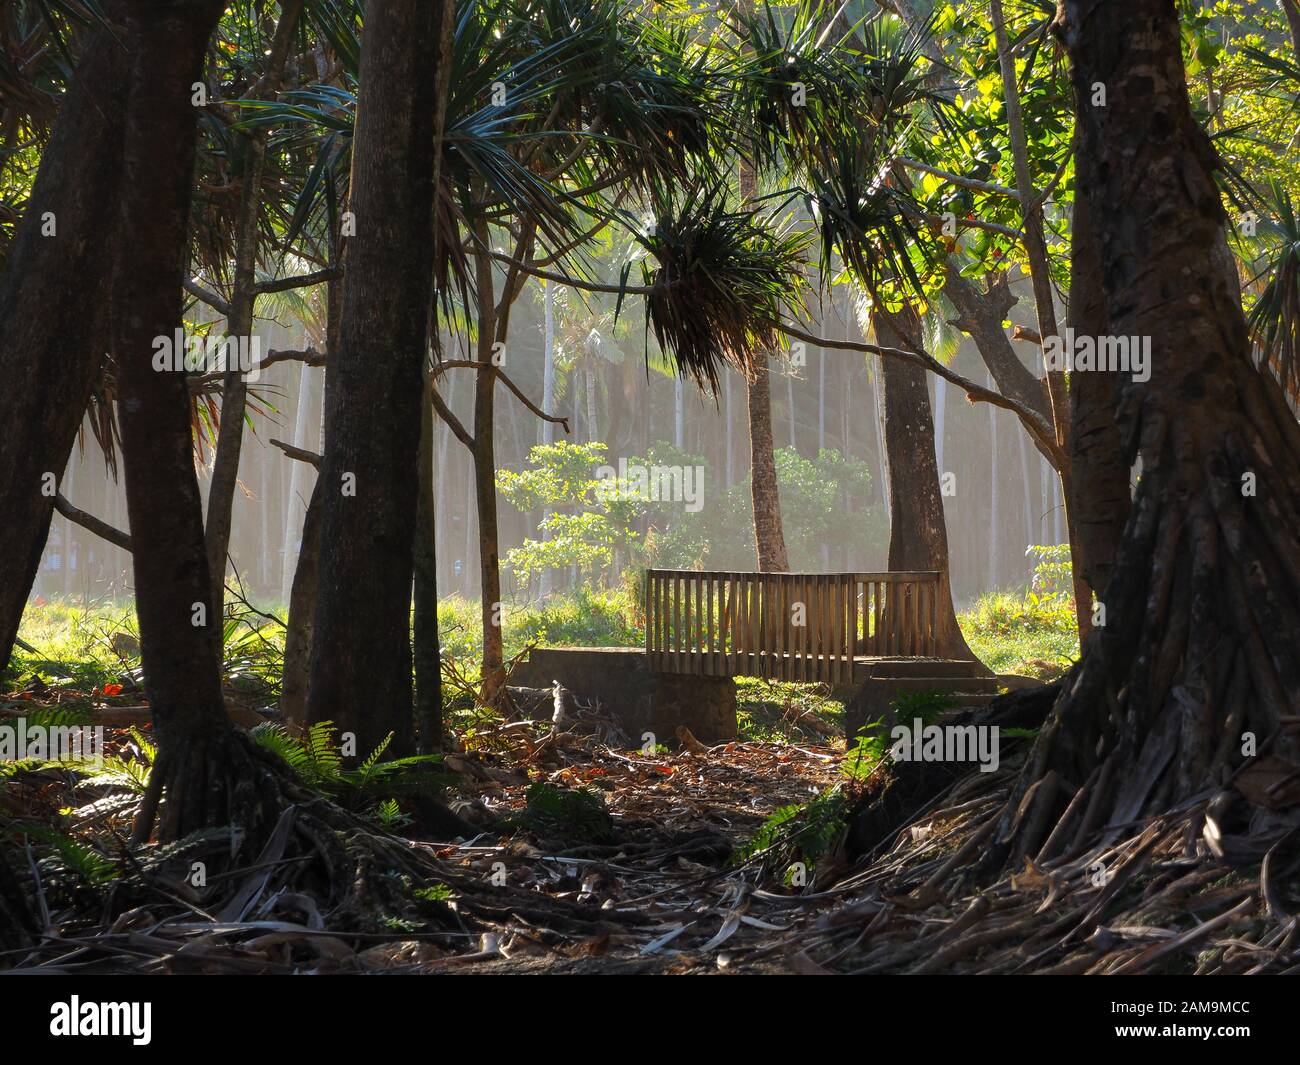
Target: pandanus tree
{"type": "Point", "coordinates": [53, 312]}
{"type": "Point", "coordinates": [558, 117]}
{"type": "Point", "coordinates": [829, 109]}
{"type": "Point", "coordinates": [1192, 679]}
{"type": "Point", "coordinates": [361, 650]}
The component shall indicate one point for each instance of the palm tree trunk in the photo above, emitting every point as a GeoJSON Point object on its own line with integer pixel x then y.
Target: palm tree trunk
{"type": "Point", "coordinates": [768, 534]}
{"type": "Point", "coordinates": [428, 650]}
{"type": "Point", "coordinates": [302, 615]}
{"type": "Point", "coordinates": [918, 534]}
{"type": "Point", "coordinates": [207, 775]}
{"type": "Point", "coordinates": [234, 387]}
{"type": "Point", "coordinates": [994, 532]}
{"type": "Point", "coordinates": [294, 503]}
{"type": "Point", "coordinates": [1201, 642]}
{"type": "Point", "coordinates": [821, 402]}
{"type": "Point", "coordinates": [548, 369]}
{"type": "Point", "coordinates": [593, 428]}
{"type": "Point", "coordinates": [679, 413]}
{"type": "Point", "coordinates": [53, 312]}
{"type": "Point", "coordinates": [789, 406]}
{"type": "Point", "coordinates": [361, 653]}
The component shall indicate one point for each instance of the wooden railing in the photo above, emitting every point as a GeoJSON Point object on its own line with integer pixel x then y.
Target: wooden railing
{"type": "Point", "coordinates": [787, 626]}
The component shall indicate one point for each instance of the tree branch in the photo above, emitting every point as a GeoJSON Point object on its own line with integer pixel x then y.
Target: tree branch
{"type": "Point", "coordinates": [957, 179]}
{"type": "Point", "coordinates": [453, 423]}
{"type": "Point", "coordinates": [299, 453]}
{"type": "Point", "coordinates": [1033, 422]}
{"type": "Point", "coordinates": [100, 528]}
{"type": "Point", "coordinates": [456, 364]}
{"type": "Point", "coordinates": [284, 284]}
{"type": "Point", "coordinates": [210, 298]}
{"type": "Point", "coordinates": [573, 282]}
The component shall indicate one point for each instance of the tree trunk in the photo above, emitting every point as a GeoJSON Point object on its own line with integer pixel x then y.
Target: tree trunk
{"type": "Point", "coordinates": [302, 616]}
{"type": "Point", "coordinates": [789, 406]}
{"type": "Point", "coordinates": [1201, 645]}
{"type": "Point", "coordinates": [485, 503]}
{"type": "Point", "coordinates": [679, 413]}
{"type": "Point", "coordinates": [428, 649]}
{"type": "Point", "coordinates": [593, 427]}
{"type": "Point", "coordinates": [994, 529]}
{"type": "Point", "coordinates": [768, 534]}
{"type": "Point", "coordinates": [288, 572]}
{"type": "Point", "coordinates": [234, 388]}
{"type": "Point", "coordinates": [361, 653]}
{"type": "Point", "coordinates": [1099, 470]}
{"type": "Point", "coordinates": [209, 777]}
{"type": "Point", "coordinates": [918, 534]}
{"type": "Point", "coordinates": [54, 313]}
{"type": "Point", "coordinates": [1292, 10]}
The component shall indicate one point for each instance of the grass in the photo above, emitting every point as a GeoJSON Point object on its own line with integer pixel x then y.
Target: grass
{"type": "Point", "coordinates": [1028, 635]}
{"type": "Point", "coordinates": [83, 647]}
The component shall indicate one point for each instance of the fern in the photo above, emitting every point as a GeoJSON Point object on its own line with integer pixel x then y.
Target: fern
{"type": "Point", "coordinates": [318, 763]}
{"type": "Point", "coordinates": [73, 856]}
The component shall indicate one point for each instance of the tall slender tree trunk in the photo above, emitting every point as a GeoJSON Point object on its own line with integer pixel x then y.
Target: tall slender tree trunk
{"type": "Point", "coordinates": [593, 425]}
{"type": "Point", "coordinates": [294, 503]}
{"type": "Point", "coordinates": [207, 775]}
{"type": "Point", "coordinates": [361, 653]}
{"type": "Point", "coordinates": [679, 413]}
{"type": "Point", "coordinates": [234, 387]}
{"type": "Point", "coordinates": [54, 312]}
{"type": "Point", "coordinates": [768, 533]}
{"type": "Point", "coordinates": [789, 406]}
{"type": "Point", "coordinates": [428, 648]}
{"type": "Point", "coordinates": [994, 529]}
{"type": "Point", "coordinates": [1201, 643]}
{"type": "Point", "coordinates": [1292, 11]}
{"type": "Point", "coordinates": [821, 402]}
{"type": "Point", "coordinates": [918, 533]}
{"type": "Point", "coordinates": [484, 469]}
{"type": "Point", "coordinates": [302, 615]}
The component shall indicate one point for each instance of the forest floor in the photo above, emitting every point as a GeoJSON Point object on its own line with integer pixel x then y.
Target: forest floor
{"type": "Point", "coordinates": [594, 855]}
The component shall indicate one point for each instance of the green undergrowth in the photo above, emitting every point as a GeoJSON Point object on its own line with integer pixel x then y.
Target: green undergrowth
{"type": "Point", "coordinates": [83, 651]}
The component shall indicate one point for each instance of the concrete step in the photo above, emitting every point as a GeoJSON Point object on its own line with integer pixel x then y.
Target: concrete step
{"type": "Point", "coordinates": [920, 667]}
{"type": "Point", "coordinates": [983, 685]}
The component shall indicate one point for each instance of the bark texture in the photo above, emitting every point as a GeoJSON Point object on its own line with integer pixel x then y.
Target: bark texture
{"type": "Point", "coordinates": [1099, 471]}
{"type": "Point", "coordinates": [1200, 654]}
{"type": "Point", "coordinates": [918, 533]}
{"type": "Point", "coordinates": [768, 533]}
{"type": "Point", "coordinates": [207, 774]}
{"type": "Point", "coordinates": [361, 648]}
{"type": "Point", "coordinates": [234, 387]}
{"type": "Point", "coordinates": [53, 312]}
{"type": "Point", "coordinates": [302, 616]}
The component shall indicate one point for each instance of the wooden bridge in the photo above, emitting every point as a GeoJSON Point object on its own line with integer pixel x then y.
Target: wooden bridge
{"type": "Point", "coordinates": [813, 627]}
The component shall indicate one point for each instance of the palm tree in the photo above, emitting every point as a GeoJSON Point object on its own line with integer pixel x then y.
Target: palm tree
{"type": "Point", "coordinates": [361, 646]}
{"type": "Point", "coordinates": [52, 313]}
{"type": "Point", "coordinates": [204, 768]}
